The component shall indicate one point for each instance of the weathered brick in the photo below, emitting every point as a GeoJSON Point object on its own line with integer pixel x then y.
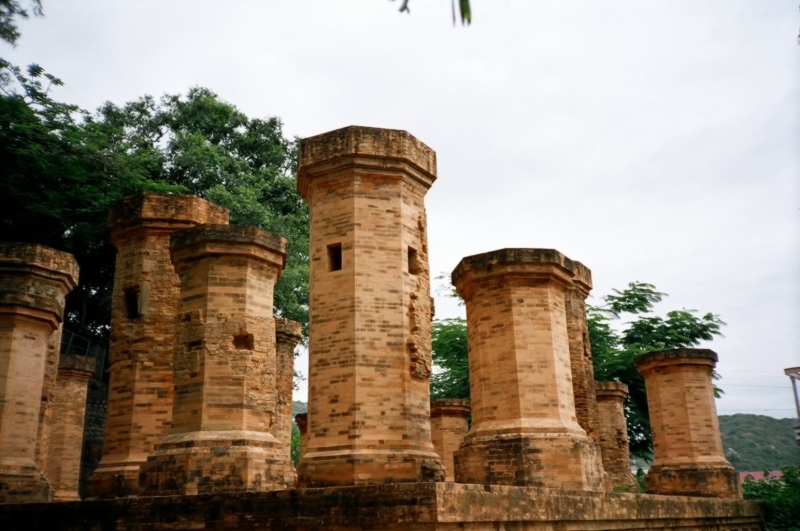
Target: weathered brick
{"type": "Point", "coordinates": [689, 459]}
{"type": "Point", "coordinates": [34, 280]}
{"type": "Point", "coordinates": [225, 367]}
{"type": "Point", "coordinates": [370, 308]}
{"type": "Point", "coordinates": [524, 430]}
{"type": "Point", "coordinates": [449, 425]}
{"type": "Point", "coordinates": [143, 307]}
{"type": "Point", "coordinates": [612, 435]}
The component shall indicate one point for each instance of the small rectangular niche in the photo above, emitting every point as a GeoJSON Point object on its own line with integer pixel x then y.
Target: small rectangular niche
{"type": "Point", "coordinates": [132, 303]}
{"type": "Point", "coordinates": [335, 257]}
{"type": "Point", "coordinates": [414, 265]}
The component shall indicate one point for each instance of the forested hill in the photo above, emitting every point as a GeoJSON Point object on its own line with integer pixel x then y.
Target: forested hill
{"type": "Point", "coordinates": [759, 442]}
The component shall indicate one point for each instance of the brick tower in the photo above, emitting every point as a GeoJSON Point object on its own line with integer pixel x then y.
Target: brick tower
{"type": "Point", "coordinates": [370, 345]}
{"type": "Point", "coordinates": [524, 430]}
{"type": "Point", "coordinates": [34, 282]}
{"type": "Point", "coordinates": [225, 366]}
{"type": "Point", "coordinates": [688, 456]}
{"type": "Point", "coordinates": [612, 435]}
{"type": "Point", "coordinates": [143, 308]}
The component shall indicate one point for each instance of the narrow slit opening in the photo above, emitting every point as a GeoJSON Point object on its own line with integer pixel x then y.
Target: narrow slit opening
{"type": "Point", "coordinates": [414, 266]}
{"type": "Point", "coordinates": [132, 303]}
{"type": "Point", "coordinates": [335, 257]}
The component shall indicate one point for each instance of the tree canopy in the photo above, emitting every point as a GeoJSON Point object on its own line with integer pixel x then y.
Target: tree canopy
{"type": "Point", "coordinates": [63, 167]}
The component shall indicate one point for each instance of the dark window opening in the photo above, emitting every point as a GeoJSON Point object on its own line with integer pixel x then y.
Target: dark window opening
{"type": "Point", "coordinates": [132, 303]}
{"type": "Point", "coordinates": [414, 265]}
{"type": "Point", "coordinates": [335, 257]}
{"type": "Point", "coordinates": [244, 341]}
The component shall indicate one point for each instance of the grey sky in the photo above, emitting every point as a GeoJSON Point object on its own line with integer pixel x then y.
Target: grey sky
{"type": "Point", "coordinates": [653, 141]}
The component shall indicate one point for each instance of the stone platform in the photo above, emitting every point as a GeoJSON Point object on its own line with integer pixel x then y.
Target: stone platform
{"type": "Point", "coordinates": [404, 506]}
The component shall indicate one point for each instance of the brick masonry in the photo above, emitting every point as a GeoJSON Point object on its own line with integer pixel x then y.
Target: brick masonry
{"type": "Point", "coordinates": [302, 424]}
{"type": "Point", "coordinates": [287, 335]}
{"type": "Point", "coordinates": [370, 308]}
{"type": "Point", "coordinates": [66, 439]}
{"type": "Point", "coordinates": [612, 435]}
{"type": "Point", "coordinates": [225, 366]}
{"type": "Point", "coordinates": [524, 429]}
{"type": "Point", "coordinates": [48, 394]}
{"type": "Point", "coordinates": [397, 507]}
{"type": "Point", "coordinates": [449, 426]}
{"type": "Point", "coordinates": [143, 307]}
{"type": "Point", "coordinates": [689, 459]}
{"type": "Point", "coordinates": [34, 281]}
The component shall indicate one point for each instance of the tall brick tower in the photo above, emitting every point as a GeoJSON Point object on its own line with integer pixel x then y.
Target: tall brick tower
{"type": "Point", "coordinates": [370, 345]}
{"type": "Point", "coordinates": [143, 309]}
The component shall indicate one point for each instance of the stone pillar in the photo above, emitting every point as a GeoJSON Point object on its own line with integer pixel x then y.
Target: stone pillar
{"type": "Point", "coordinates": [449, 425]}
{"type": "Point", "coordinates": [143, 308]}
{"type": "Point", "coordinates": [225, 366]}
{"type": "Point", "coordinates": [612, 435]}
{"type": "Point", "coordinates": [69, 413]}
{"type": "Point", "coordinates": [524, 431]}
{"type": "Point", "coordinates": [34, 281]}
{"type": "Point", "coordinates": [287, 335]}
{"type": "Point", "coordinates": [302, 424]}
{"type": "Point", "coordinates": [580, 351]}
{"type": "Point", "coordinates": [48, 390]}
{"type": "Point", "coordinates": [689, 459]}
{"type": "Point", "coordinates": [370, 309]}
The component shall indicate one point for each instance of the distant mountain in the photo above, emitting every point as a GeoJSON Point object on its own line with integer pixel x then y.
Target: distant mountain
{"type": "Point", "coordinates": [758, 442]}
{"type": "Point", "coordinates": [298, 407]}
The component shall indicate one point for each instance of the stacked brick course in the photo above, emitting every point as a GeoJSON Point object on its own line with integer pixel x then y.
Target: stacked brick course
{"type": "Point", "coordinates": [689, 459]}
{"type": "Point", "coordinates": [287, 335]}
{"type": "Point", "coordinates": [48, 394]}
{"type": "Point", "coordinates": [524, 431]}
{"type": "Point", "coordinates": [143, 308]}
{"type": "Point", "coordinates": [34, 281]}
{"type": "Point", "coordinates": [370, 308]}
{"type": "Point", "coordinates": [69, 412]}
{"type": "Point", "coordinates": [613, 435]}
{"type": "Point", "coordinates": [449, 426]}
{"type": "Point", "coordinates": [225, 366]}
{"type": "Point", "coordinates": [302, 424]}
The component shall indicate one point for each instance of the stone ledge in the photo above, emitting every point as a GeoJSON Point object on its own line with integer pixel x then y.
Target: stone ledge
{"type": "Point", "coordinates": [398, 506]}
{"type": "Point", "coordinates": [517, 257]}
{"type": "Point", "coordinates": [169, 211]}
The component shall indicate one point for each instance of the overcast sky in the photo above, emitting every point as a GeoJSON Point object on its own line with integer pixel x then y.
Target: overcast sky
{"type": "Point", "coordinates": [653, 141]}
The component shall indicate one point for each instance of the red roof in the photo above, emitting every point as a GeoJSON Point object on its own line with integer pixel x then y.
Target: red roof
{"type": "Point", "coordinates": [758, 476]}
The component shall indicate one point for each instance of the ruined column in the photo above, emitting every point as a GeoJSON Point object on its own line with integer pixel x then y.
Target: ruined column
{"type": "Point", "coordinates": [48, 391]}
{"type": "Point", "coordinates": [34, 280]}
{"type": "Point", "coordinates": [69, 413]}
{"type": "Point", "coordinates": [524, 431]}
{"type": "Point", "coordinates": [449, 425]}
{"type": "Point", "coordinates": [143, 308]}
{"type": "Point", "coordinates": [689, 459]}
{"type": "Point", "coordinates": [287, 335]}
{"type": "Point", "coordinates": [225, 366]}
{"type": "Point", "coordinates": [612, 435]}
{"type": "Point", "coordinates": [302, 424]}
{"type": "Point", "coordinates": [580, 351]}
{"type": "Point", "coordinates": [370, 308]}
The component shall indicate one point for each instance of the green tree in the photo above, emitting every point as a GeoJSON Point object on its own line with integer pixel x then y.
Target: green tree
{"type": "Point", "coordinates": [449, 341]}
{"type": "Point", "coordinates": [781, 497]}
{"type": "Point", "coordinates": [614, 351]}
{"type": "Point", "coordinates": [9, 11]}
{"type": "Point", "coordinates": [63, 167]}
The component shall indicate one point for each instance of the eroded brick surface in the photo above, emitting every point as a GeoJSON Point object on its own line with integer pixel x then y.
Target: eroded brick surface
{"type": "Point", "coordinates": [689, 459]}
{"type": "Point", "coordinates": [66, 439]}
{"type": "Point", "coordinates": [225, 366]}
{"type": "Point", "coordinates": [287, 335]}
{"type": "Point", "coordinates": [34, 281]}
{"type": "Point", "coordinates": [143, 308]}
{"type": "Point", "coordinates": [524, 430]}
{"type": "Point", "coordinates": [370, 309]}
{"type": "Point", "coordinates": [612, 435]}
{"type": "Point", "coordinates": [398, 507]}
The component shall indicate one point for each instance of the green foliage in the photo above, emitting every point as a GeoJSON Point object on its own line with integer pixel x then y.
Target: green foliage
{"type": "Point", "coordinates": [450, 356]}
{"type": "Point", "coordinates": [758, 442]}
{"type": "Point", "coordinates": [614, 351]}
{"type": "Point", "coordinates": [63, 167]}
{"type": "Point", "coordinates": [9, 11]}
{"type": "Point", "coordinates": [296, 446]}
{"type": "Point", "coordinates": [781, 496]}
{"type": "Point", "coordinates": [464, 10]}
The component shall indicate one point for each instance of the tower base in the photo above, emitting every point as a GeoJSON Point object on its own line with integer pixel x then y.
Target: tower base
{"type": "Point", "coordinates": [368, 467]}
{"type": "Point", "coordinates": [709, 481]}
